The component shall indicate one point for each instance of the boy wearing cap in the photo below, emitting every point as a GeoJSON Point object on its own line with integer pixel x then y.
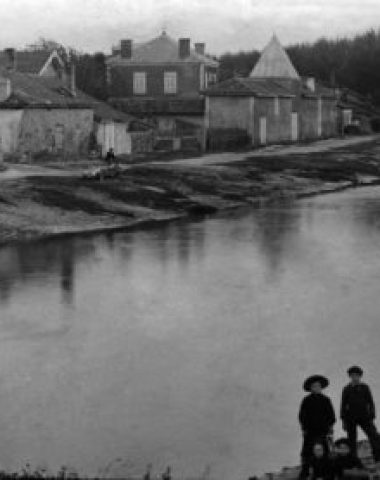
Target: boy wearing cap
{"type": "Point", "coordinates": [358, 410]}
{"type": "Point", "coordinates": [316, 417]}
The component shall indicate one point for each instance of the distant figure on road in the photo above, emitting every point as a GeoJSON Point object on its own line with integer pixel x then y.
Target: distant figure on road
{"type": "Point", "coordinates": [317, 418]}
{"type": "Point", "coordinates": [358, 410]}
{"type": "Point", "coordinates": [110, 156]}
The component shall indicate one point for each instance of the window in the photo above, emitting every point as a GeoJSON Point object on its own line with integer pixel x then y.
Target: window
{"type": "Point", "coordinates": [139, 83]}
{"type": "Point", "coordinates": [210, 79]}
{"type": "Point", "coordinates": [276, 106]}
{"type": "Point", "coordinates": [170, 82]}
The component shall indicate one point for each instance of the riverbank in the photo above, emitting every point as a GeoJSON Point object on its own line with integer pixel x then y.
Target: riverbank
{"type": "Point", "coordinates": [292, 473]}
{"type": "Point", "coordinates": [45, 205]}
{"type": "Point", "coordinates": [287, 473]}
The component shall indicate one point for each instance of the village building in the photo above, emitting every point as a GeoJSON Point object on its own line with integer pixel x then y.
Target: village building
{"type": "Point", "coordinates": [273, 105]}
{"type": "Point", "coordinates": [35, 118]}
{"type": "Point", "coordinates": [42, 111]}
{"type": "Point", "coordinates": [42, 62]}
{"type": "Point", "coordinates": [161, 81]}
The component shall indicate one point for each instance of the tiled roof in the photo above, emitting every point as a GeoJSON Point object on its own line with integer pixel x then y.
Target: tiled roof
{"type": "Point", "coordinates": [274, 63]}
{"type": "Point", "coordinates": [250, 87]}
{"type": "Point", "coordinates": [33, 91]}
{"type": "Point", "coordinates": [162, 49]}
{"type": "Point", "coordinates": [266, 87]}
{"type": "Point", "coordinates": [27, 61]}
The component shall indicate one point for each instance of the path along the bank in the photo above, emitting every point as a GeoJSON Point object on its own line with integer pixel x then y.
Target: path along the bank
{"type": "Point", "coordinates": [16, 171]}
{"type": "Point", "coordinates": [274, 151]}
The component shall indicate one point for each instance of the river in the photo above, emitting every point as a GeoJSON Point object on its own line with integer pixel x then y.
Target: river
{"type": "Point", "coordinates": [186, 345]}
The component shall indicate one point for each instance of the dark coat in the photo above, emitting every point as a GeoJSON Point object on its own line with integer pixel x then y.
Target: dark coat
{"type": "Point", "coordinates": [357, 403]}
{"type": "Point", "coordinates": [316, 414]}
{"type": "Point", "coordinates": [321, 468]}
{"type": "Point", "coordinates": [346, 462]}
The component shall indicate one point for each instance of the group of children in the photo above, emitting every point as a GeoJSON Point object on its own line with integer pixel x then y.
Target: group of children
{"type": "Point", "coordinates": [322, 459]}
{"type": "Point", "coordinates": [334, 463]}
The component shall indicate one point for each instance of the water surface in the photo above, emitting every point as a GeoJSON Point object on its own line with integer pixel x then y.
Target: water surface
{"type": "Point", "coordinates": [187, 344]}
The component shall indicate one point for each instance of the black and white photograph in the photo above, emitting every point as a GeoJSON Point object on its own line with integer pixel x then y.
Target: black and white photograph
{"type": "Point", "coordinates": [190, 239]}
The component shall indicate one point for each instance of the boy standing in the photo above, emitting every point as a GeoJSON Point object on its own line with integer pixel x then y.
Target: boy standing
{"type": "Point", "coordinates": [358, 410]}
{"type": "Point", "coordinates": [316, 417]}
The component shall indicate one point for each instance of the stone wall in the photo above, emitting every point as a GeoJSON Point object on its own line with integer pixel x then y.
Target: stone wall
{"type": "Point", "coordinates": [229, 112]}
{"type": "Point", "coordinates": [308, 118]}
{"type": "Point", "coordinates": [278, 119]}
{"type": "Point", "coordinates": [10, 122]}
{"type": "Point", "coordinates": [330, 125]}
{"type": "Point", "coordinates": [317, 118]}
{"type": "Point", "coordinates": [65, 131]}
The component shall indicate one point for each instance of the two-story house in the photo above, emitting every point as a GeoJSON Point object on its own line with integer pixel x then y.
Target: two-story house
{"type": "Point", "coordinates": [161, 81]}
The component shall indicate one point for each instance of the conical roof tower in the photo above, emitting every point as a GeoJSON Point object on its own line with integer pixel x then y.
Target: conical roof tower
{"type": "Point", "coordinates": [274, 63]}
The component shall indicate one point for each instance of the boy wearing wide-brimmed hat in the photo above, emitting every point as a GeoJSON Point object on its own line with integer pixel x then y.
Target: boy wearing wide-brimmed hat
{"type": "Point", "coordinates": [358, 410]}
{"type": "Point", "coordinates": [316, 417]}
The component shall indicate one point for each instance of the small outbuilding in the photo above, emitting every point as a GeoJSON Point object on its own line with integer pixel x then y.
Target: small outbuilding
{"type": "Point", "coordinates": [273, 105]}
{"type": "Point", "coordinates": [36, 118]}
{"type": "Point", "coordinates": [46, 114]}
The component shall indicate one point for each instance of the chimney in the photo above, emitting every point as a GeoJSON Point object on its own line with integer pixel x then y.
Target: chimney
{"type": "Point", "coordinates": [200, 48]}
{"type": "Point", "coordinates": [126, 48]}
{"type": "Point", "coordinates": [310, 83]}
{"type": "Point", "coordinates": [184, 47]}
{"type": "Point", "coordinates": [5, 89]}
{"type": "Point", "coordinates": [11, 58]}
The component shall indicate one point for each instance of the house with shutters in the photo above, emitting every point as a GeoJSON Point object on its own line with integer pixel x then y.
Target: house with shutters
{"type": "Point", "coordinates": [273, 105]}
{"type": "Point", "coordinates": [162, 81]}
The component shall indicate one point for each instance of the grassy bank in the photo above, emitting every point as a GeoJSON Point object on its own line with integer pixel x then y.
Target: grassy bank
{"type": "Point", "coordinates": [33, 207]}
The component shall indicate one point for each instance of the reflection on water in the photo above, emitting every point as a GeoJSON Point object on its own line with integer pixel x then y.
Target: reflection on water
{"type": "Point", "coordinates": [187, 344]}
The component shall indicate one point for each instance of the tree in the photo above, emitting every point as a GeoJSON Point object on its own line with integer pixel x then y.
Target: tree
{"type": "Point", "coordinates": [91, 74]}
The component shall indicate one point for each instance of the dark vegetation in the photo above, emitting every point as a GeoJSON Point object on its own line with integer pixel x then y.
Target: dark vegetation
{"type": "Point", "coordinates": [91, 74]}
{"type": "Point", "coordinates": [345, 62]}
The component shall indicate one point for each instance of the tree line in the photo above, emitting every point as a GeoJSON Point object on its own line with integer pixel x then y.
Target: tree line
{"type": "Point", "coordinates": [344, 62]}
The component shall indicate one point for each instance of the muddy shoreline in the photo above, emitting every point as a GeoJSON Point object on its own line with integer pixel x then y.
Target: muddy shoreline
{"type": "Point", "coordinates": [146, 196]}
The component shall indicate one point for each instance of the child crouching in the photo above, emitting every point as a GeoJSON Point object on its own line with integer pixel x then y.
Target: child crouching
{"type": "Point", "coordinates": [320, 466]}
{"type": "Point", "coordinates": [346, 463]}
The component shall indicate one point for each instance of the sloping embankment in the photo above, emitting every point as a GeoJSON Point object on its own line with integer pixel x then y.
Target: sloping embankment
{"type": "Point", "coordinates": [39, 206]}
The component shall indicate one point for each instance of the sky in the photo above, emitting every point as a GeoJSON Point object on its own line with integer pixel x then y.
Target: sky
{"type": "Point", "coordinates": [225, 25]}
